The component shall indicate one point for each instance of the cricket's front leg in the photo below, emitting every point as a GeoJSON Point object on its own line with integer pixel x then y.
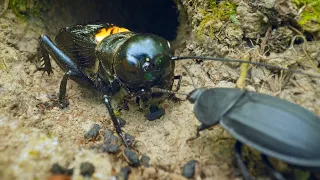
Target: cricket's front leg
{"type": "Point", "coordinates": [114, 119]}
{"type": "Point", "coordinates": [155, 112]}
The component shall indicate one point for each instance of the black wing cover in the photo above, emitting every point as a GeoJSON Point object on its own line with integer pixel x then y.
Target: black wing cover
{"type": "Point", "coordinates": [276, 128]}
{"type": "Point", "coordinates": [79, 43]}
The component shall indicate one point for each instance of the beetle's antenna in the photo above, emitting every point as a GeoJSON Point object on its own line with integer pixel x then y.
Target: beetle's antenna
{"type": "Point", "coordinates": [159, 90]}
{"type": "Point", "coordinates": [242, 61]}
{"type": "Point", "coordinates": [189, 74]}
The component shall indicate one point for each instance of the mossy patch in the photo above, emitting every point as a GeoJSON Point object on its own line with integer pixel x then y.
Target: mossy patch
{"type": "Point", "coordinates": [28, 8]}
{"type": "Point", "coordinates": [216, 13]}
{"type": "Point", "coordinates": [309, 18]}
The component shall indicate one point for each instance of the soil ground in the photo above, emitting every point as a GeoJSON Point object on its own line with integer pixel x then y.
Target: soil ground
{"type": "Point", "coordinates": [32, 138]}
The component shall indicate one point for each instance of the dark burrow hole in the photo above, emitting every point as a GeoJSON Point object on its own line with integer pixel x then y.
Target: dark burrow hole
{"type": "Point", "coordinates": [143, 16]}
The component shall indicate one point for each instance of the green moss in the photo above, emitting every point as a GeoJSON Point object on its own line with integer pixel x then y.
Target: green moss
{"type": "Point", "coordinates": [301, 175]}
{"type": "Point", "coordinates": [217, 13]}
{"type": "Point", "coordinates": [309, 19]}
{"type": "Point", "coordinates": [28, 8]}
{"type": "Point", "coordinates": [301, 3]}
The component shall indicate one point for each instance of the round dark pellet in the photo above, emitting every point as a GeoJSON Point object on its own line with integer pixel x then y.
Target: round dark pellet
{"type": "Point", "coordinates": [189, 169]}
{"type": "Point", "coordinates": [132, 157]}
{"type": "Point", "coordinates": [87, 169]}
{"type": "Point", "coordinates": [93, 132]}
{"type": "Point", "coordinates": [145, 160]}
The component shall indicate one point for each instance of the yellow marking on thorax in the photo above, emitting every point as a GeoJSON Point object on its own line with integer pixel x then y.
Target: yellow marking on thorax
{"type": "Point", "coordinates": [103, 33]}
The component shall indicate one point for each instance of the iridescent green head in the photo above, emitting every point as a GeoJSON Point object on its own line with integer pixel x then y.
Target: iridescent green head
{"type": "Point", "coordinates": [144, 60]}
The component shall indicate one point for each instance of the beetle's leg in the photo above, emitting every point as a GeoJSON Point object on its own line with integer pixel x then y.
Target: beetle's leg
{"type": "Point", "coordinates": [276, 174]}
{"type": "Point", "coordinates": [242, 166]}
{"type": "Point", "coordinates": [114, 120]}
{"type": "Point", "coordinates": [155, 113]}
{"type": "Point", "coordinates": [44, 56]}
{"type": "Point", "coordinates": [194, 137]}
{"type": "Point", "coordinates": [200, 128]}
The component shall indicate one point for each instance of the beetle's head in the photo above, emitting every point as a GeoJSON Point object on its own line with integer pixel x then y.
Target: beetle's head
{"type": "Point", "coordinates": [144, 61]}
{"type": "Point", "coordinates": [195, 94]}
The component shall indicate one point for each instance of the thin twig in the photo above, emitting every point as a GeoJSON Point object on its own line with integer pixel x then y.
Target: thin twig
{"type": "Point", "coordinates": [265, 39]}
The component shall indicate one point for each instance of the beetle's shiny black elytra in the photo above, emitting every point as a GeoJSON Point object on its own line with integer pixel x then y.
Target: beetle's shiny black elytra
{"type": "Point", "coordinates": [107, 58]}
{"type": "Point", "coordinates": [277, 128]}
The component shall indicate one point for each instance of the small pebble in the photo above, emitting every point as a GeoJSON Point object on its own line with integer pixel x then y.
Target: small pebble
{"type": "Point", "coordinates": [52, 96]}
{"type": "Point", "coordinates": [109, 138]}
{"type": "Point", "coordinates": [124, 173]}
{"type": "Point", "coordinates": [250, 88]}
{"type": "Point", "coordinates": [110, 148]}
{"type": "Point", "coordinates": [69, 172]}
{"type": "Point", "coordinates": [110, 142]}
{"type": "Point", "coordinates": [145, 160]}
{"type": "Point", "coordinates": [86, 169]}
{"type": "Point", "coordinates": [93, 132]}
{"type": "Point", "coordinates": [189, 168]}
{"type": "Point", "coordinates": [57, 169]}
{"type": "Point", "coordinates": [129, 138]}
{"type": "Point", "coordinates": [132, 157]}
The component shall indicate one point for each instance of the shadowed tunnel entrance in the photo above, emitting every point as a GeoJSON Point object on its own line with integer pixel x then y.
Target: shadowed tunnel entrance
{"type": "Point", "coordinates": [145, 16]}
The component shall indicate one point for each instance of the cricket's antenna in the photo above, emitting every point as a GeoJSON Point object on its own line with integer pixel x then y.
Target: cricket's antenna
{"type": "Point", "coordinates": [159, 90]}
{"type": "Point", "coordinates": [242, 61]}
{"type": "Point", "coordinates": [189, 74]}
